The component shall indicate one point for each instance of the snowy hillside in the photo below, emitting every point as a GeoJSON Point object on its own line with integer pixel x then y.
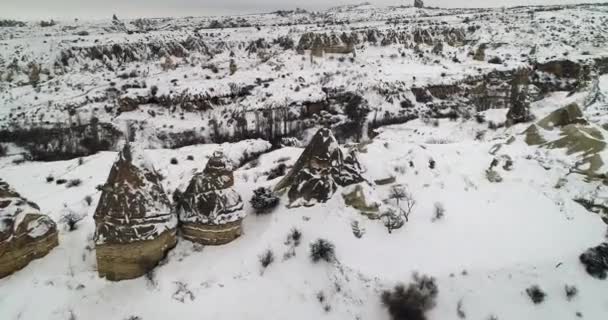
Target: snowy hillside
{"type": "Point", "coordinates": [480, 135]}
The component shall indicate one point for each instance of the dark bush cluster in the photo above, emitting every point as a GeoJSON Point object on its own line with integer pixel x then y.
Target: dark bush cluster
{"type": "Point", "coordinates": [264, 200]}
{"type": "Point", "coordinates": [413, 301]}
{"type": "Point", "coordinates": [277, 171]}
{"type": "Point", "coordinates": [596, 261]}
{"type": "Point", "coordinates": [266, 258]}
{"type": "Point", "coordinates": [73, 183]}
{"type": "Point", "coordinates": [322, 249]}
{"type": "Point", "coordinates": [536, 294]}
{"type": "Point", "coordinates": [571, 292]}
{"type": "Point", "coordinates": [294, 237]}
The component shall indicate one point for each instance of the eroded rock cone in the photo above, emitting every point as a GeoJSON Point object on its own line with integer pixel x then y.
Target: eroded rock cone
{"type": "Point", "coordinates": [25, 233]}
{"type": "Point", "coordinates": [319, 171]}
{"type": "Point", "coordinates": [135, 223]}
{"type": "Point", "coordinates": [210, 210]}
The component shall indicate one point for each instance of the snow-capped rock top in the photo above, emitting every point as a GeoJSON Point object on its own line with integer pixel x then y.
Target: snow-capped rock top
{"type": "Point", "coordinates": [133, 205]}
{"type": "Point", "coordinates": [19, 217]}
{"type": "Point", "coordinates": [210, 198]}
{"type": "Point", "coordinates": [321, 167]}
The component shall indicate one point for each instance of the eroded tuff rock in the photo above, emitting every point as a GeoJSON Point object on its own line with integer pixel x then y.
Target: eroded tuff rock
{"type": "Point", "coordinates": [575, 136]}
{"type": "Point", "coordinates": [113, 55]}
{"type": "Point", "coordinates": [210, 210]}
{"type": "Point", "coordinates": [25, 233]}
{"type": "Point", "coordinates": [135, 223]}
{"type": "Point", "coordinates": [319, 171]}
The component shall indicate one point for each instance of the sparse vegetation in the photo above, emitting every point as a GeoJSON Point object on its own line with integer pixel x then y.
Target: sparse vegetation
{"type": "Point", "coordinates": [536, 294]}
{"type": "Point", "coordinates": [571, 292]}
{"type": "Point", "coordinates": [266, 258]}
{"type": "Point", "coordinates": [73, 183]}
{"type": "Point", "coordinates": [439, 211]}
{"type": "Point", "coordinates": [70, 218]}
{"type": "Point", "coordinates": [596, 261]}
{"type": "Point", "coordinates": [322, 249]}
{"type": "Point", "coordinates": [411, 302]}
{"type": "Point", "coordinates": [264, 200]}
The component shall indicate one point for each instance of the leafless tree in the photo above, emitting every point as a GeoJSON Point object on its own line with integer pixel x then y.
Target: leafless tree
{"type": "Point", "coordinates": [400, 194]}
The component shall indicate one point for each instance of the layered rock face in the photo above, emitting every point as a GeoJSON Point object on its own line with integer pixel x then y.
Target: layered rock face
{"type": "Point", "coordinates": [319, 171]}
{"type": "Point", "coordinates": [25, 233]}
{"type": "Point", "coordinates": [135, 223]}
{"type": "Point", "coordinates": [210, 210]}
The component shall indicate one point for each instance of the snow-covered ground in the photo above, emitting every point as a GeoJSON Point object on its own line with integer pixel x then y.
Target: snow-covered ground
{"type": "Point", "coordinates": [495, 240]}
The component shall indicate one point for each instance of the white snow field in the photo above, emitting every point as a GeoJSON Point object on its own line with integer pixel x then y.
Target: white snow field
{"type": "Point", "coordinates": [495, 240]}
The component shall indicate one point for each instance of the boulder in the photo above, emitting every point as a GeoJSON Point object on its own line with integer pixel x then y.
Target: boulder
{"type": "Point", "coordinates": [319, 171]}
{"type": "Point", "coordinates": [25, 233]}
{"type": "Point", "coordinates": [570, 114]}
{"type": "Point", "coordinates": [361, 197]}
{"type": "Point", "coordinates": [210, 210]}
{"type": "Point", "coordinates": [418, 4]}
{"type": "Point", "coordinates": [135, 224]}
{"type": "Point", "coordinates": [574, 135]}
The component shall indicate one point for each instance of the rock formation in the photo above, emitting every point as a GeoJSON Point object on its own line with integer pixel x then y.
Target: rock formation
{"type": "Point", "coordinates": [210, 210]}
{"type": "Point", "coordinates": [519, 110]}
{"type": "Point", "coordinates": [575, 136]}
{"type": "Point", "coordinates": [135, 223]}
{"type": "Point", "coordinates": [319, 170]}
{"type": "Point", "coordinates": [418, 4]}
{"type": "Point", "coordinates": [25, 233]}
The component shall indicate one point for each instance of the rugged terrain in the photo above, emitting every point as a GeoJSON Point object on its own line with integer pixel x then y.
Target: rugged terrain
{"type": "Point", "coordinates": [453, 106]}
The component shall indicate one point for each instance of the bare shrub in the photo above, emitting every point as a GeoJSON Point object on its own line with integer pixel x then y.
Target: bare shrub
{"type": "Point", "coordinates": [266, 258]}
{"type": "Point", "coordinates": [73, 183]}
{"type": "Point", "coordinates": [536, 294]}
{"type": "Point", "coordinates": [571, 292]}
{"type": "Point", "coordinates": [71, 218]}
{"type": "Point", "coordinates": [322, 249]}
{"type": "Point", "coordinates": [88, 200]}
{"type": "Point", "coordinates": [439, 212]}
{"type": "Point", "coordinates": [294, 237]}
{"type": "Point", "coordinates": [411, 302]}
{"type": "Point", "coordinates": [400, 194]}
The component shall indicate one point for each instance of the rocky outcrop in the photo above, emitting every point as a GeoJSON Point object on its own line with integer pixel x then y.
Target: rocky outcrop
{"type": "Point", "coordinates": [362, 198]}
{"type": "Point", "coordinates": [574, 136]}
{"type": "Point", "coordinates": [135, 224]}
{"type": "Point", "coordinates": [519, 110]}
{"type": "Point", "coordinates": [113, 55]}
{"type": "Point", "coordinates": [319, 171]}
{"type": "Point", "coordinates": [322, 43]}
{"type": "Point", "coordinates": [25, 233]}
{"type": "Point", "coordinates": [45, 143]}
{"type": "Point", "coordinates": [210, 210]}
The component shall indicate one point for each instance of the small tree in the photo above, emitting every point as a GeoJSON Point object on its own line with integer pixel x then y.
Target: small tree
{"type": "Point", "coordinates": [401, 196]}
{"type": "Point", "coordinates": [391, 219]}
{"type": "Point", "coordinates": [233, 67]}
{"type": "Point", "coordinates": [71, 218]}
{"type": "Point", "coordinates": [356, 110]}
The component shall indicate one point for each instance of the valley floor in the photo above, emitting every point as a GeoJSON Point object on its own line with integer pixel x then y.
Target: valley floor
{"type": "Point", "coordinates": [495, 240]}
